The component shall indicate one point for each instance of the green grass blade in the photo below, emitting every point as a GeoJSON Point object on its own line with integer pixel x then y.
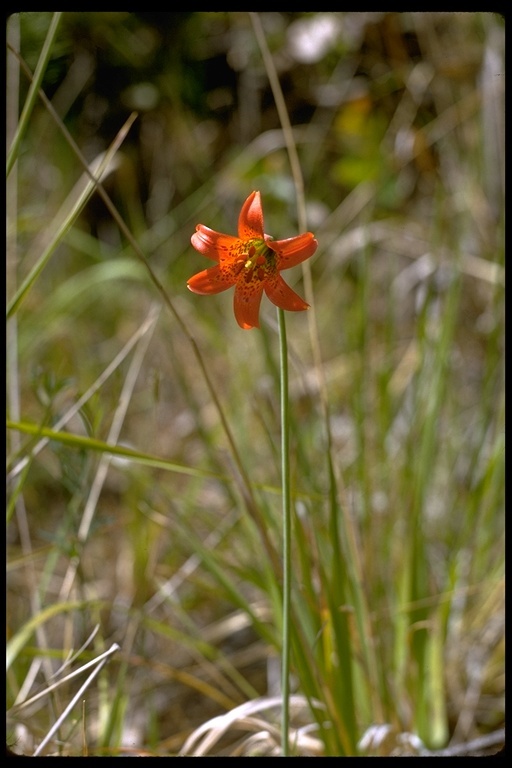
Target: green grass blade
{"type": "Point", "coordinates": [16, 644]}
{"type": "Point", "coordinates": [69, 212]}
{"type": "Point", "coordinates": [33, 90]}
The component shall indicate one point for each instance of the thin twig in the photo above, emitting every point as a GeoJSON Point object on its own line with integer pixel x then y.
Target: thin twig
{"type": "Point", "coordinates": [104, 658]}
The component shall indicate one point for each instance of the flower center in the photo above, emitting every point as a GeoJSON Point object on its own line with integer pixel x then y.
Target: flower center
{"type": "Point", "coordinates": [260, 258]}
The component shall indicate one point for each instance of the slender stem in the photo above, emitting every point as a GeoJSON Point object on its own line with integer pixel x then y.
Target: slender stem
{"type": "Point", "coordinates": [287, 529]}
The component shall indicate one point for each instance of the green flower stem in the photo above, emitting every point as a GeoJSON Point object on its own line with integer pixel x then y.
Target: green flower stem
{"type": "Point", "coordinates": [287, 529]}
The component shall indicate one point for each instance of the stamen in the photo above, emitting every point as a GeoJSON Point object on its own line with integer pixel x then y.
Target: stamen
{"type": "Point", "coordinates": [257, 253]}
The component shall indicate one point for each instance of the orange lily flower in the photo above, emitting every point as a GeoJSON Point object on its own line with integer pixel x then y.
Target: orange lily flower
{"type": "Point", "coordinates": [252, 263]}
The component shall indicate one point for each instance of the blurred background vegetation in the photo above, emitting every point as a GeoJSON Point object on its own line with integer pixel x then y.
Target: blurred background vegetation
{"type": "Point", "coordinates": [398, 121]}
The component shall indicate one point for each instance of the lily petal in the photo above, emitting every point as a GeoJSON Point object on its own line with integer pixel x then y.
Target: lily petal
{"type": "Point", "coordinates": [294, 250]}
{"type": "Point", "coordinates": [246, 306]}
{"type": "Point", "coordinates": [283, 296]}
{"type": "Point", "coordinates": [215, 245]}
{"type": "Point", "coordinates": [212, 280]}
{"type": "Point", "coordinates": [250, 221]}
